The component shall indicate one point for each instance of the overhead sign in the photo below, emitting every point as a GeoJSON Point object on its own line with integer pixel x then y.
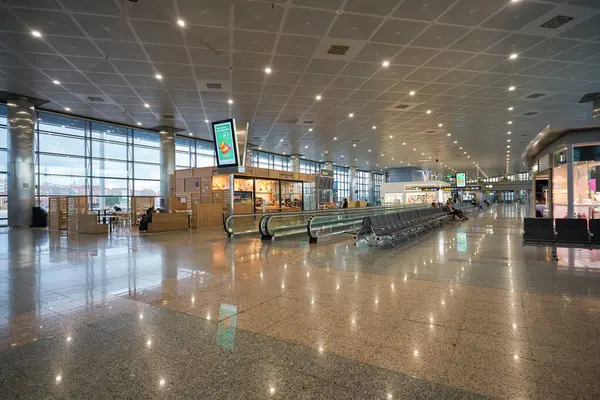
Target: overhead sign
{"type": "Point", "coordinates": [461, 179]}
{"type": "Point", "coordinates": [226, 147]}
{"type": "Point", "coordinates": [327, 173]}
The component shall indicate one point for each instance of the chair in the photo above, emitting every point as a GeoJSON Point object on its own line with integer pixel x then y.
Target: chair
{"type": "Point", "coordinates": [539, 231]}
{"type": "Point", "coordinates": [572, 232]}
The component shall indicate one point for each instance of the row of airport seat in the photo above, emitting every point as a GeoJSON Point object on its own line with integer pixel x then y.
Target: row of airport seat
{"type": "Point", "coordinates": [561, 232]}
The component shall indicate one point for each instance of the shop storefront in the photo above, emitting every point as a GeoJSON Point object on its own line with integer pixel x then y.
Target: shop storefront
{"type": "Point", "coordinates": [570, 160]}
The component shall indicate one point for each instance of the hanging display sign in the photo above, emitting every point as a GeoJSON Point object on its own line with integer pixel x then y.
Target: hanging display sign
{"type": "Point", "coordinates": [225, 142]}
{"type": "Point", "coordinates": [461, 179]}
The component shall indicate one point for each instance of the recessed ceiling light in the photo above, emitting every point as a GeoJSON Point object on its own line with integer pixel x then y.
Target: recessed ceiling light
{"type": "Point", "coordinates": [281, 140]}
{"type": "Point", "coordinates": [374, 127]}
{"type": "Point", "coordinates": [403, 144]}
{"type": "Point", "coordinates": [391, 136]}
{"type": "Point", "coordinates": [181, 23]}
{"type": "Point", "coordinates": [318, 97]}
{"type": "Point", "coordinates": [511, 89]}
{"type": "Point", "coordinates": [351, 115]}
{"type": "Point", "coordinates": [422, 154]}
{"type": "Point", "coordinates": [455, 142]}
{"type": "Point", "coordinates": [147, 105]}
{"type": "Point", "coordinates": [230, 101]}
{"type": "Point", "coordinates": [67, 109]}
{"type": "Point", "coordinates": [335, 138]}
{"type": "Point", "coordinates": [369, 150]}
{"type": "Point", "coordinates": [508, 140]}
{"type": "Point", "coordinates": [207, 121]}
{"type": "Point", "coordinates": [56, 82]}
{"type": "Point", "coordinates": [509, 122]}
{"type": "Point", "coordinates": [139, 124]}
{"type": "Point", "coordinates": [268, 70]}
{"type": "Point", "coordinates": [464, 152]}
{"type": "Point", "coordinates": [428, 111]}
{"type": "Point", "coordinates": [509, 133]}
{"type": "Point", "coordinates": [385, 64]}
{"type": "Point", "coordinates": [37, 34]}
{"type": "Point", "coordinates": [508, 146]}
{"type": "Point", "coordinates": [449, 134]}
{"type": "Point", "coordinates": [510, 108]}
{"type": "Point", "coordinates": [158, 76]}
{"type": "Point", "coordinates": [513, 56]}
{"type": "Point", "coordinates": [306, 147]}
{"type": "Point", "coordinates": [460, 148]}
{"type": "Point", "coordinates": [440, 125]}
{"type": "Point", "coordinates": [392, 158]}
{"type": "Point", "coordinates": [415, 149]}
{"type": "Point", "coordinates": [191, 134]}
{"type": "Point", "coordinates": [412, 92]}
{"type": "Point", "coordinates": [310, 129]}
{"type": "Point", "coordinates": [354, 145]}
{"type": "Point", "coordinates": [326, 152]}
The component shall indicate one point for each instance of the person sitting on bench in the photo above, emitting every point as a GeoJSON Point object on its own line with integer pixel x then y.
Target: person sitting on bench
{"type": "Point", "coordinates": [456, 213]}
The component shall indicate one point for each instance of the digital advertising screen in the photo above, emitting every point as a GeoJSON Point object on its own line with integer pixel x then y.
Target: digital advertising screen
{"type": "Point", "coordinates": [226, 147]}
{"type": "Point", "coordinates": [461, 179]}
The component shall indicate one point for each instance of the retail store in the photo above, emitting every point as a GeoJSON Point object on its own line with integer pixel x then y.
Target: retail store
{"type": "Point", "coordinates": [570, 160]}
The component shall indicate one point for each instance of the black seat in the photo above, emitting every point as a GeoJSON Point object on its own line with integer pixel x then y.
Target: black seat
{"type": "Point", "coordinates": [538, 230]}
{"type": "Point", "coordinates": [572, 232]}
{"type": "Point", "coordinates": [595, 231]}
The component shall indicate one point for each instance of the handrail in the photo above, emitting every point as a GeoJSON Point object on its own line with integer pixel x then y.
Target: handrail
{"type": "Point", "coordinates": [265, 218]}
{"type": "Point", "coordinates": [313, 238]}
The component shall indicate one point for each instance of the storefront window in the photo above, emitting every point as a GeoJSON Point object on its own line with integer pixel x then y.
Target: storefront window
{"type": "Point", "coordinates": [586, 173]}
{"type": "Point", "coordinates": [267, 196]}
{"type": "Point", "coordinates": [291, 193]}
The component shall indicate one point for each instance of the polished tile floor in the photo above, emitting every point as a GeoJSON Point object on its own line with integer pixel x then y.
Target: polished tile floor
{"type": "Point", "coordinates": [464, 312]}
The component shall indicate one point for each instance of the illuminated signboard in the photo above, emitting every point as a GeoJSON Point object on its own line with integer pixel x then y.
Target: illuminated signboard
{"type": "Point", "coordinates": [461, 179]}
{"type": "Point", "coordinates": [225, 140]}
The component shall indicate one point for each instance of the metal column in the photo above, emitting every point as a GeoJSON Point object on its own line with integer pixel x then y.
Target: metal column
{"type": "Point", "coordinates": [21, 173]}
{"type": "Point", "coordinates": [570, 183]}
{"type": "Point", "coordinates": [167, 165]}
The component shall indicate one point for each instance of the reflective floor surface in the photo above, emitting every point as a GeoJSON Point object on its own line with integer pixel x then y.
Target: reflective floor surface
{"type": "Point", "coordinates": [464, 312]}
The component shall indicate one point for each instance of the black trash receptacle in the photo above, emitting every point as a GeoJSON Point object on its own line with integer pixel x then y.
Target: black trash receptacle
{"type": "Point", "coordinates": [40, 218]}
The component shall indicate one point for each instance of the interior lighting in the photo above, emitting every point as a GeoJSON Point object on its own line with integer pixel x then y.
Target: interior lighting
{"type": "Point", "coordinates": [440, 125]}
{"type": "Point", "coordinates": [147, 105]}
{"type": "Point", "coordinates": [36, 34]}
{"type": "Point", "coordinates": [351, 115]}
{"type": "Point", "coordinates": [428, 111]}
{"type": "Point", "coordinates": [230, 101]}
{"type": "Point", "coordinates": [374, 127]}
{"type": "Point", "coordinates": [56, 82]}
{"type": "Point", "coordinates": [67, 109]}
{"type": "Point", "coordinates": [385, 64]}
{"type": "Point", "coordinates": [207, 121]}
{"type": "Point", "coordinates": [510, 108]}
{"type": "Point", "coordinates": [513, 56]}
{"type": "Point", "coordinates": [318, 97]}
{"type": "Point", "coordinates": [181, 23]}
{"type": "Point", "coordinates": [158, 76]}
{"type": "Point", "coordinates": [335, 138]}
{"type": "Point", "coordinates": [268, 70]}
{"type": "Point", "coordinates": [511, 89]}
{"type": "Point", "coordinates": [412, 93]}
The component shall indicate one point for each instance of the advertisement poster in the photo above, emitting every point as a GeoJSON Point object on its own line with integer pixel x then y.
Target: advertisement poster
{"type": "Point", "coordinates": [461, 179]}
{"type": "Point", "coordinates": [225, 143]}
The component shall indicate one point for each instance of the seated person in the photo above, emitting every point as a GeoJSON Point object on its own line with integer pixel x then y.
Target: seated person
{"type": "Point", "coordinates": [456, 213]}
{"type": "Point", "coordinates": [117, 209]}
{"type": "Point", "coordinates": [434, 204]}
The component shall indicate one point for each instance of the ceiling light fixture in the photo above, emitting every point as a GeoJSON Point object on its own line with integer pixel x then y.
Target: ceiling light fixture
{"type": "Point", "coordinates": [181, 23]}
{"type": "Point", "coordinates": [428, 111]}
{"type": "Point", "coordinates": [385, 64]}
{"type": "Point", "coordinates": [509, 133]}
{"type": "Point", "coordinates": [412, 93]}
{"type": "Point", "coordinates": [354, 145]}
{"type": "Point", "coordinates": [449, 134]}
{"type": "Point", "coordinates": [139, 124]}
{"type": "Point", "coordinates": [513, 56]}
{"type": "Point", "coordinates": [391, 136]}
{"type": "Point", "coordinates": [509, 122]}
{"type": "Point", "coordinates": [207, 121]}
{"type": "Point", "coordinates": [440, 125]}
{"type": "Point", "coordinates": [335, 138]}
{"type": "Point", "coordinates": [318, 97]}
{"type": "Point", "coordinates": [455, 142]}
{"type": "Point", "coordinates": [511, 89]}
{"type": "Point", "coordinates": [56, 82]}
{"type": "Point", "coordinates": [268, 70]}
{"type": "Point", "coordinates": [158, 76]}
{"type": "Point", "coordinates": [230, 101]}
{"type": "Point", "coordinates": [67, 109]}
{"type": "Point", "coordinates": [374, 127]}
{"type": "Point", "coordinates": [147, 105]}
{"type": "Point", "coordinates": [351, 115]}
{"type": "Point", "coordinates": [36, 34]}
{"type": "Point", "coordinates": [310, 129]}
{"type": "Point", "coordinates": [510, 108]}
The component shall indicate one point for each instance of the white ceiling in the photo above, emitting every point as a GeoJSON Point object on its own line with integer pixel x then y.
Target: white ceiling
{"type": "Point", "coordinates": [453, 53]}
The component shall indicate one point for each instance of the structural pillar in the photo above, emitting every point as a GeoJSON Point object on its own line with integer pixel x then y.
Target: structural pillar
{"type": "Point", "coordinates": [353, 184]}
{"type": "Point", "coordinates": [295, 159]}
{"type": "Point", "coordinates": [167, 165]}
{"type": "Point", "coordinates": [21, 173]}
{"type": "Point", "coordinates": [570, 183]}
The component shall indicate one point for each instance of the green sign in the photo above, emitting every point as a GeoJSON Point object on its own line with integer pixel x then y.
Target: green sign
{"type": "Point", "coordinates": [225, 142]}
{"type": "Point", "coordinates": [461, 179]}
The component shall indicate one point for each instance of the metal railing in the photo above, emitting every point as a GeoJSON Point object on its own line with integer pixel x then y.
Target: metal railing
{"type": "Point", "coordinates": [315, 223]}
